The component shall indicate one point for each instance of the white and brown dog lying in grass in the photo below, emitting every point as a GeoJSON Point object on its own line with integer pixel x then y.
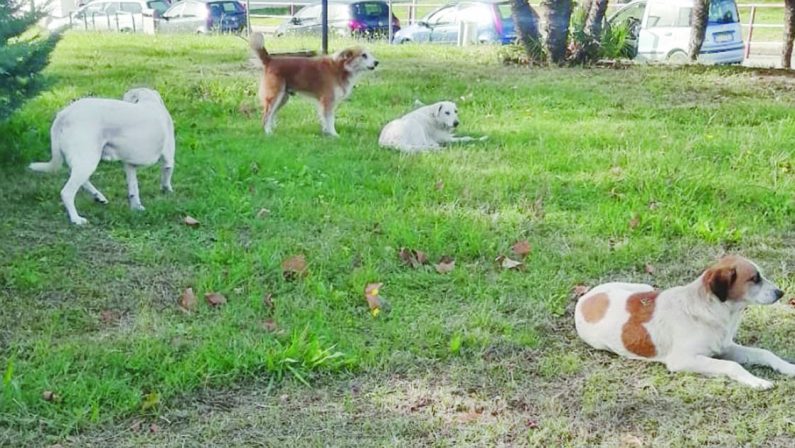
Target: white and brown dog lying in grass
{"type": "Point", "coordinates": [329, 80]}
{"type": "Point", "coordinates": [685, 327]}
{"type": "Point", "coordinates": [424, 129]}
{"type": "Point", "coordinates": [137, 130]}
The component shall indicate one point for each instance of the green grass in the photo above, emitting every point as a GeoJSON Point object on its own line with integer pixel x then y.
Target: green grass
{"type": "Point", "coordinates": [699, 158]}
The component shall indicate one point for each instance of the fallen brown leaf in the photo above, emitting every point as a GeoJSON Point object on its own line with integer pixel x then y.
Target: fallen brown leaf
{"type": "Point", "coordinates": [521, 248]}
{"type": "Point", "coordinates": [649, 269]}
{"type": "Point", "coordinates": [187, 301]}
{"type": "Point", "coordinates": [616, 171]}
{"type": "Point", "coordinates": [371, 293]}
{"type": "Point", "coordinates": [190, 221]}
{"type": "Point", "coordinates": [153, 428]}
{"type": "Point", "coordinates": [634, 222]}
{"type": "Point", "coordinates": [294, 267]}
{"type": "Point", "coordinates": [270, 325]}
{"type": "Point", "coordinates": [580, 290]}
{"type": "Point", "coordinates": [531, 423]}
{"type": "Point", "coordinates": [267, 301]}
{"type": "Point", "coordinates": [412, 257]}
{"type": "Point", "coordinates": [792, 301]}
{"type": "Point", "coordinates": [507, 263]}
{"type": "Point", "coordinates": [48, 395]}
{"type": "Point", "coordinates": [469, 417]}
{"type": "Point", "coordinates": [214, 299]}
{"type": "Point", "coordinates": [108, 316]}
{"type": "Point", "coordinates": [439, 185]}
{"type": "Point", "coordinates": [263, 213]}
{"type": "Point", "coordinates": [446, 264]}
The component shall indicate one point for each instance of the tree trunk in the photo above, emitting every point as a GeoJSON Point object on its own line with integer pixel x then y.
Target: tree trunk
{"type": "Point", "coordinates": [525, 20]}
{"type": "Point", "coordinates": [594, 19]}
{"type": "Point", "coordinates": [557, 28]}
{"type": "Point", "coordinates": [789, 33]}
{"type": "Point", "coordinates": [699, 30]}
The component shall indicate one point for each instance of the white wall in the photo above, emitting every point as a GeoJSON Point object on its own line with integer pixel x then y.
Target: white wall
{"type": "Point", "coordinates": [57, 8]}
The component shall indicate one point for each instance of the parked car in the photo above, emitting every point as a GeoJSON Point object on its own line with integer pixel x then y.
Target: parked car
{"type": "Point", "coordinates": [203, 16]}
{"type": "Point", "coordinates": [492, 18]}
{"type": "Point", "coordinates": [659, 30]}
{"type": "Point", "coordinates": [108, 15]}
{"type": "Point", "coordinates": [345, 17]}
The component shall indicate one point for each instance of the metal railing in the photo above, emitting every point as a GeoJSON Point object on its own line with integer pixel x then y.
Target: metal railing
{"type": "Point", "coordinates": [106, 21]}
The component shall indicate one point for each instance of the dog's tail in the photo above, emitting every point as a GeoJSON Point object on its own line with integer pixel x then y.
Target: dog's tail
{"type": "Point", "coordinates": [57, 157]}
{"type": "Point", "coordinates": [257, 43]}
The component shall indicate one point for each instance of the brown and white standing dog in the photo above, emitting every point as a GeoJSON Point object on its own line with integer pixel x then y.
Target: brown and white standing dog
{"type": "Point", "coordinates": [328, 79]}
{"type": "Point", "coordinates": [685, 326]}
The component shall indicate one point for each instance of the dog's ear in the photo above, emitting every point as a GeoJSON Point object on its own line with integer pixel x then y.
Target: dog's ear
{"type": "Point", "coordinates": [720, 280]}
{"type": "Point", "coordinates": [438, 111]}
{"type": "Point", "coordinates": [346, 55]}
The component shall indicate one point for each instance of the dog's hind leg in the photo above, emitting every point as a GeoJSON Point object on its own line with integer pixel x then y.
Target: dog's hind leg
{"type": "Point", "coordinates": [273, 99]}
{"type": "Point", "coordinates": [167, 169]}
{"type": "Point", "coordinates": [132, 187]}
{"type": "Point", "coordinates": [92, 190]}
{"type": "Point", "coordinates": [78, 177]}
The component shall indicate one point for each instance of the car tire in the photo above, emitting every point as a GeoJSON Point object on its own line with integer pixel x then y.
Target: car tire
{"type": "Point", "coordinates": [677, 57]}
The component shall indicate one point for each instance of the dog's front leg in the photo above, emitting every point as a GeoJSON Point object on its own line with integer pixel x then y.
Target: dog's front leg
{"type": "Point", "coordinates": [326, 111]}
{"type": "Point", "coordinates": [759, 357]}
{"type": "Point", "coordinates": [132, 187]}
{"type": "Point", "coordinates": [464, 139]}
{"type": "Point", "coordinates": [716, 367]}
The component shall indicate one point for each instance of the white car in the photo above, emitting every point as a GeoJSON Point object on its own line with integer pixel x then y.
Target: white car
{"type": "Point", "coordinates": [107, 15]}
{"type": "Point", "coordinates": [660, 31]}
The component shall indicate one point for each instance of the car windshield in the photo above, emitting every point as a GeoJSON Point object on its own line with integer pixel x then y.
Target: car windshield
{"type": "Point", "coordinates": [222, 8]}
{"type": "Point", "coordinates": [723, 11]}
{"type": "Point", "coordinates": [158, 5]}
{"type": "Point", "coordinates": [505, 11]}
{"type": "Point", "coordinates": [370, 10]}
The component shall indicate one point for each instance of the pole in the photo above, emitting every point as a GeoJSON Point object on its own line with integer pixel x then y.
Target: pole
{"type": "Point", "coordinates": [750, 32]}
{"type": "Point", "coordinates": [248, 18]}
{"type": "Point", "coordinates": [391, 33]}
{"type": "Point", "coordinates": [324, 25]}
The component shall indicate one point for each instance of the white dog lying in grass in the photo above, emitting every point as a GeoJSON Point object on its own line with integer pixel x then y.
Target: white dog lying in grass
{"type": "Point", "coordinates": [424, 129]}
{"type": "Point", "coordinates": [137, 130]}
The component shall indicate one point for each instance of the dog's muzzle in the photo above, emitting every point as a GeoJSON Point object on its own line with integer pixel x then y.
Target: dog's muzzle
{"type": "Point", "coordinates": [375, 64]}
{"type": "Point", "coordinates": [778, 294]}
{"type": "Point", "coordinates": [455, 124]}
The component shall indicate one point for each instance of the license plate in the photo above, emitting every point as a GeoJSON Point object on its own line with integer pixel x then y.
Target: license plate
{"type": "Point", "coordinates": [723, 37]}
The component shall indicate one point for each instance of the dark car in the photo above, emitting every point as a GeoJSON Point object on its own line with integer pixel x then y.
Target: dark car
{"type": "Point", "coordinates": [345, 17]}
{"type": "Point", "coordinates": [492, 19]}
{"type": "Point", "coordinates": [203, 16]}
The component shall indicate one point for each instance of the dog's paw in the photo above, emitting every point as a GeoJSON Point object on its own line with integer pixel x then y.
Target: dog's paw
{"type": "Point", "coordinates": [101, 200]}
{"type": "Point", "coordinates": [166, 189]}
{"type": "Point", "coordinates": [760, 384]}
{"type": "Point", "coordinates": [137, 207]}
{"type": "Point", "coordinates": [79, 221]}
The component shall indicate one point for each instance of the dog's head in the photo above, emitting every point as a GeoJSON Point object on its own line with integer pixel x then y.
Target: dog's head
{"type": "Point", "coordinates": [356, 60]}
{"type": "Point", "coordinates": [142, 94]}
{"type": "Point", "coordinates": [446, 114]}
{"type": "Point", "coordinates": [738, 279]}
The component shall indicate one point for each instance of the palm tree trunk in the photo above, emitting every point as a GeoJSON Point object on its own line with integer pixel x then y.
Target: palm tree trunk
{"type": "Point", "coordinates": [789, 33]}
{"type": "Point", "coordinates": [594, 18]}
{"type": "Point", "coordinates": [525, 20]}
{"type": "Point", "coordinates": [557, 28]}
{"type": "Point", "coordinates": [699, 30]}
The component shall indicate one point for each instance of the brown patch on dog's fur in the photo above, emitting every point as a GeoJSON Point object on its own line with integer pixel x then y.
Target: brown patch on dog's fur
{"type": "Point", "coordinates": [594, 307]}
{"type": "Point", "coordinates": [634, 335]}
{"type": "Point", "coordinates": [728, 279]}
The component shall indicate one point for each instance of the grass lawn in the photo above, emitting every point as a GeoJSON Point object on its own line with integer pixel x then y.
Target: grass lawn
{"type": "Point", "coordinates": [602, 171]}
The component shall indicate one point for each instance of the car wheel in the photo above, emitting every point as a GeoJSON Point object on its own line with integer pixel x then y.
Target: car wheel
{"type": "Point", "coordinates": [678, 57]}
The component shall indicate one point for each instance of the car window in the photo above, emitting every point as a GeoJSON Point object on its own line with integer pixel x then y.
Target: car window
{"type": "Point", "coordinates": [630, 12]}
{"type": "Point", "coordinates": [723, 11]}
{"type": "Point", "coordinates": [221, 8]}
{"type": "Point", "coordinates": [194, 10]}
{"type": "Point", "coordinates": [505, 11]}
{"type": "Point", "coordinates": [370, 10]}
{"type": "Point", "coordinates": [175, 11]}
{"type": "Point", "coordinates": [159, 6]}
{"type": "Point", "coordinates": [93, 9]}
{"type": "Point", "coordinates": [134, 8]}
{"type": "Point", "coordinates": [476, 13]}
{"type": "Point", "coordinates": [310, 12]}
{"type": "Point", "coordinates": [663, 15]}
{"type": "Point", "coordinates": [337, 12]}
{"type": "Point", "coordinates": [112, 8]}
{"type": "Point", "coordinates": [443, 16]}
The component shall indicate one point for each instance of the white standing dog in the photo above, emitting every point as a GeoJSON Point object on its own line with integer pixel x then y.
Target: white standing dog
{"type": "Point", "coordinates": [138, 131]}
{"type": "Point", "coordinates": [424, 129]}
{"type": "Point", "coordinates": [690, 328]}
